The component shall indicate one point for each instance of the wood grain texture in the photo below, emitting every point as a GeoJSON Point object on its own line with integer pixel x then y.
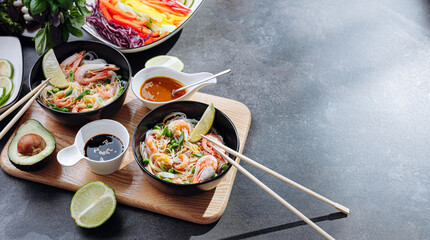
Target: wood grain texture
{"type": "Point", "coordinates": [130, 185]}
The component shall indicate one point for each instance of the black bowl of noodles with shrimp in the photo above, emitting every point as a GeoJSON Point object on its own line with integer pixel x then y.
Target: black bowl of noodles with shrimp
{"type": "Point", "coordinates": [99, 77]}
{"type": "Point", "coordinates": [158, 155]}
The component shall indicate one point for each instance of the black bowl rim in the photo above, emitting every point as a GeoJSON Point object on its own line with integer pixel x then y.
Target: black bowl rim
{"type": "Point", "coordinates": [177, 184]}
{"type": "Point", "coordinates": [95, 110]}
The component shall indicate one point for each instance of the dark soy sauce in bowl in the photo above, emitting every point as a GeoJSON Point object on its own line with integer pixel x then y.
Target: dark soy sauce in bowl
{"type": "Point", "coordinates": [103, 147]}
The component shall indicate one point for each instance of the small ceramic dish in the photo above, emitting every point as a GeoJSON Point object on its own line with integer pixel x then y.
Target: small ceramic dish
{"type": "Point", "coordinates": [161, 71]}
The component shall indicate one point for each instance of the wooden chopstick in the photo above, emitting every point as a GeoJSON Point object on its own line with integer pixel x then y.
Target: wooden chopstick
{"type": "Point", "coordinates": [37, 90]}
{"type": "Point", "coordinates": [20, 102]}
{"type": "Point", "coordinates": [273, 194]}
{"type": "Point", "coordinates": [275, 174]}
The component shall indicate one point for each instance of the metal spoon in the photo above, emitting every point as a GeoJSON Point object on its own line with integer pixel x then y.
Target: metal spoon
{"type": "Point", "coordinates": [201, 81]}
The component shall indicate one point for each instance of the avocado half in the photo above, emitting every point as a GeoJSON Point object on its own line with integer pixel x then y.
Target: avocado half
{"type": "Point", "coordinates": [38, 160]}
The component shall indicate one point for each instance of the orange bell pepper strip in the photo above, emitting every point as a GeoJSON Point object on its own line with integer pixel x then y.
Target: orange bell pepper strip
{"type": "Point", "coordinates": [160, 37]}
{"type": "Point", "coordinates": [105, 12]}
{"type": "Point", "coordinates": [117, 11]}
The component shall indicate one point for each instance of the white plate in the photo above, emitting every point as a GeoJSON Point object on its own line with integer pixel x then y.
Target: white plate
{"type": "Point", "coordinates": [10, 49]}
{"type": "Point", "coordinates": [92, 31]}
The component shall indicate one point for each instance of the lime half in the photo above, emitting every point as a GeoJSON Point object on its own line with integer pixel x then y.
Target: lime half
{"type": "Point", "coordinates": [51, 69]}
{"type": "Point", "coordinates": [7, 84]}
{"type": "Point", "coordinates": [204, 125]}
{"type": "Point", "coordinates": [167, 61]}
{"type": "Point", "coordinates": [93, 204]}
{"type": "Point", "coordinates": [6, 68]}
{"type": "Point", "coordinates": [2, 93]}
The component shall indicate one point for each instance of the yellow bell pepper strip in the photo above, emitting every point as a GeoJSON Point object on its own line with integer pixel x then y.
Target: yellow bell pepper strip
{"type": "Point", "coordinates": [147, 11]}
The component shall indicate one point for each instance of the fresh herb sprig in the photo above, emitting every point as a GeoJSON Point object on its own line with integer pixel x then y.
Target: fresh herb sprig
{"type": "Point", "coordinates": [58, 19]}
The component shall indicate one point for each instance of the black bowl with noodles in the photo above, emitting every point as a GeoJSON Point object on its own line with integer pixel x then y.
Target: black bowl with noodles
{"type": "Point", "coordinates": [193, 110]}
{"type": "Point", "coordinates": [111, 55]}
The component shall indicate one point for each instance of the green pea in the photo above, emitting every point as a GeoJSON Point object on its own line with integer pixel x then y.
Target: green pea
{"type": "Point", "coordinates": [193, 170]}
{"type": "Point", "coordinates": [98, 84]}
{"type": "Point", "coordinates": [145, 161]}
{"type": "Point", "coordinates": [119, 77]}
{"type": "Point", "coordinates": [171, 170]}
{"type": "Point", "coordinates": [89, 105]}
{"type": "Point", "coordinates": [187, 182]}
{"type": "Point", "coordinates": [55, 90]}
{"type": "Point", "coordinates": [167, 180]}
{"type": "Point", "coordinates": [173, 141]}
{"type": "Point", "coordinates": [215, 175]}
{"type": "Point", "coordinates": [224, 167]}
{"type": "Point", "coordinates": [175, 145]}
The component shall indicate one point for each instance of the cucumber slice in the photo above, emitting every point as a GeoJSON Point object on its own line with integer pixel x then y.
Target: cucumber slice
{"type": "Point", "coordinates": [6, 68]}
{"type": "Point", "coordinates": [189, 3]}
{"type": "Point", "coordinates": [7, 84]}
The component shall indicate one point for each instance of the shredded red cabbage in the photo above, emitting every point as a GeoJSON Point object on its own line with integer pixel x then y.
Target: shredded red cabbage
{"type": "Point", "coordinates": [114, 33]}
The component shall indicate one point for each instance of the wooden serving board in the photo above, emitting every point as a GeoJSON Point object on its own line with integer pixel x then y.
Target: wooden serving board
{"type": "Point", "coordinates": [130, 185]}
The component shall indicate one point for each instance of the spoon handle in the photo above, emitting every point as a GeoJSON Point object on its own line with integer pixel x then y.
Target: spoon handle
{"type": "Point", "coordinates": [201, 81]}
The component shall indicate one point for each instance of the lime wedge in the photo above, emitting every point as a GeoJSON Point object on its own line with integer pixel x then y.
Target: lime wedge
{"type": "Point", "coordinates": [6, 68]}
{"type": "Point", "coordinates": [93, 204]}
{"type": "Point", "coordinates": [7, 84]}
{"type": "Point", "coordinates": [167, 61]}
{"type": "Point", "coordinates": [51, 69]}
{"type": "Point", "coordinates": [204, 125]}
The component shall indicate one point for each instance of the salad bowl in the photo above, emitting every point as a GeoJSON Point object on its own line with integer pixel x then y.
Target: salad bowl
{"type": "Point", "coordinates": [194, 5]}
{"type": "Point", "coordinates": [157, 71]}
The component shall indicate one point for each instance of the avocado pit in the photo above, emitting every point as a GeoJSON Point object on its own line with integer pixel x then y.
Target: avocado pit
{"type": "Point", "coordinates": [31, 144]}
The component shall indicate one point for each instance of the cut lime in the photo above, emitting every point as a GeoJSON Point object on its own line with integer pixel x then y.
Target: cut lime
{"type": "Point", "coordinates": [51, 69]}
{"type": "Point", "coordinates": [6, 68]}
{"type": "Point", "coordinates": [2, 93]}
{"type": "Point", "coordinates": [167, 61]}
{"type": "Point", "coordinates": [93, 204]}
{"type": "Point", "coordinates": [7, 84]}
{"type": "Point", "coordinates": [204, 125]}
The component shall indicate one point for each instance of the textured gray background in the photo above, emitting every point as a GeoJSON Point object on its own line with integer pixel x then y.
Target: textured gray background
{"type": "Point", "coordinates": [339, 94]}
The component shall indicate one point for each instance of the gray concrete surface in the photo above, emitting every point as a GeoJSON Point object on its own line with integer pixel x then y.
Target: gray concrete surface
{"type": "Point", "coordinates": [339, 93]}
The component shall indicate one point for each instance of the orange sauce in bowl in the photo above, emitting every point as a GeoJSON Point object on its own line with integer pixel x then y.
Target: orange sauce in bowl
{"type": "Point", "coordinates": [159, 89]}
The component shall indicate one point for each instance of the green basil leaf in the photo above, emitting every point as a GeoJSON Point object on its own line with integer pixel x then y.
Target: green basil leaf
{"type": "Point", "coordinates": [37, 6]}
{"type": "Point", "coordinates": [54, 8]}
{"type": "Point", "coordinates": [27, 3]}
{"type": "Point", "coordinates": [81, 6]}
{"type": "Point", "coordinates": [74, 31]}
{"type": "Point", "coordinates": [77, 19]}
{"type": "Point", "coordinates": [40, 40]}
{"type": "Point", "coordinates": [66, 4]}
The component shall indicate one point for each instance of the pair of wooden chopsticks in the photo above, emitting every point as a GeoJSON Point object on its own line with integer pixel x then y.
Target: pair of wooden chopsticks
{"type": "Point", "coordinates": [35, 93]}
{"type": "Point", "coordinates": [270, 191]}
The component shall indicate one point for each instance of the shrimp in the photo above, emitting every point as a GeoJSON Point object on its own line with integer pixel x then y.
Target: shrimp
{"type": "Point", "coordinates": [72, 63]}
{"type": "Point", "coordinates": [89, 73]}
{"type": "Point", "coordinates": [205, 168]}
{"type": "Point", "coordinates": [59, 101]}
{"type": "Point", "coordinates": [209, 149]}
{"type": "Point", "coordinates": [150, 146]}
{"type": "Point", "coordinates": [78, 107]}
{"type": "Point", "coordinates": [183, 164]}
{"type": "Point", "coordinates": [178, 126]}
{"type": "Point", "coordinates": [106, 94]}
